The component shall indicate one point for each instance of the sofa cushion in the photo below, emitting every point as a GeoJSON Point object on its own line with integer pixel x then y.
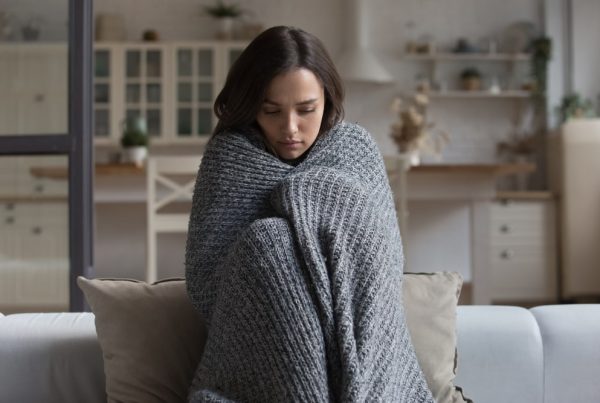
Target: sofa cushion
{"type": "Point", "coordinates": [151, 337]}
{"type": "Point", "coordinates": [50, 358]}
{"type": "Point", "coordinates": [571, 351]}
{"type": "Point", "coordinates": [430, 301]}
{"type": "Point", "coordinates": [501, 354]}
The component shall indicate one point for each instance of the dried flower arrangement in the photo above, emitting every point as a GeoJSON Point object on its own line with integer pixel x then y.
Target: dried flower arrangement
{"type": "Point", "coordinates": [412, 131]}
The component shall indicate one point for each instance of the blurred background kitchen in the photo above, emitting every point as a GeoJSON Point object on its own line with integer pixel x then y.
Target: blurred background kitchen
{"type": "Point", "coordinates": [485, 112]}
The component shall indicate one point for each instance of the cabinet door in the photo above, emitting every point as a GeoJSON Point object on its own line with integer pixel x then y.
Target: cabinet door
{"type": "Point", "coordinates": [523, 255]}
{"type": "Point", "coordinates": [104, 95]}
{"type": "Point", "coordinates": [144, 87]}
{"type": "Point", "coordinates": [8, 85]}
{"type": "Point", "coordinates": [32, 103]}
{"type": "Point", "coordinates": [38, 266]}
{"type": "Point", "coordinates": [42, 104]}
{"type": "Point", "coordinates": [195, 90]}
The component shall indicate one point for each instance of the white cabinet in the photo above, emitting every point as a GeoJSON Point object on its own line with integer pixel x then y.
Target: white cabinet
{"type": "Point", "coordinates": [523, 257]}
{"type": "Point", "coordinates": [33, 89]}
{"type": "Point", "coordinates": [34, 252]}
{"type": "Point", "coordinates": [34, 256]}
{"type": "Point", "coordinates": [578, 182]}
{"type": "Point", "coordinates": [172, 85]}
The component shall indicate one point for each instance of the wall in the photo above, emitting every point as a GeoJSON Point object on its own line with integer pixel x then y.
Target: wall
{"type": "Point", "coordinates": [586, 51]}
{"type": "Point", "coordinates": [52, 17]}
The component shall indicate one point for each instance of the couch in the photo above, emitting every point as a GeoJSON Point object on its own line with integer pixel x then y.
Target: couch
{"type": "Point", "coordinates": [547, 354]}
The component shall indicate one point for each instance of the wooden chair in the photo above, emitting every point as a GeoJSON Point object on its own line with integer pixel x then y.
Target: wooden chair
{"type": "Point", "coordinates": [164, 190]}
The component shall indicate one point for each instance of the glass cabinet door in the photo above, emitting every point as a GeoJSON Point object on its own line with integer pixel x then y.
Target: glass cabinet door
{"type": "Point", "coordinates": [102, 93]}
{"type": "Point", "coordinates": [144, 72]}
{"type": "Point", "coordinates": [195, 76]}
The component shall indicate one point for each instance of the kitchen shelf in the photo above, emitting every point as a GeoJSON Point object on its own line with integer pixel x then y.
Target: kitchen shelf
{"type": "Point", "coordinates": [525, 195]}
{"type": "Point", "coordinates": [492, 57]}
{"type": "Point", "coordinates": [480, 94]}
{"type": "Point", "coordinates": [496, 169]}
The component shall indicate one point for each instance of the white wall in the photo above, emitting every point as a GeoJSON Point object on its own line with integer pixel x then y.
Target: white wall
{"type": "Point", "coordinates": [51, 16]}
{"type": "Point", "coordinates": [586, 48]}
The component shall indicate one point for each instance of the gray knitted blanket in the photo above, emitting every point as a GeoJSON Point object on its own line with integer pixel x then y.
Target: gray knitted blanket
{"type": "Point", "coordinates": [298, 270]}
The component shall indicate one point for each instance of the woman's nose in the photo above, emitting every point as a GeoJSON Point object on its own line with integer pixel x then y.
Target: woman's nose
{"type": "Point", "coordinates": [290, 124]}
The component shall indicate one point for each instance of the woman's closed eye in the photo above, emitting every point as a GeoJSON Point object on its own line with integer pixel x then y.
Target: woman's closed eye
{"type": "Point", "coordinates": [301, 112]}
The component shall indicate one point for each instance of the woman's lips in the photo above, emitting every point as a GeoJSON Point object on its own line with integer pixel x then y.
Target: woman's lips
{"type": "Point", "coordinates": [291, 144]}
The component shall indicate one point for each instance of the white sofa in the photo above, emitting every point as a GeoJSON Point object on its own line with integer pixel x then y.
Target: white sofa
{"type": "Point", "coordinates": [547, 354]}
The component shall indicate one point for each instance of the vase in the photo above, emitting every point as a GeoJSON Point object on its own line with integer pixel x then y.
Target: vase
{"type": "Point", "coordinates": [135, 155]}
{"type": "Point", "coordinates": [226, 28]}
{"type": "Point", "coordinates": [410, 158]}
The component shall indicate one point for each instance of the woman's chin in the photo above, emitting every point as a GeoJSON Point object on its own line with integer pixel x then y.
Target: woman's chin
{"type": "Point", "coordinates": [290, 155]}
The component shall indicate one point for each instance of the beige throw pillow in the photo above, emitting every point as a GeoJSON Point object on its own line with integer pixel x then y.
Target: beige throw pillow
{"type": "Point", "coordinates": [430, 301]}
{"type": "Point", "coordinates": [151, 337]}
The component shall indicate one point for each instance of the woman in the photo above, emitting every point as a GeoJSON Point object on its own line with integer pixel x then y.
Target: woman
{"type": "Point", "coordinates": [294, 257]}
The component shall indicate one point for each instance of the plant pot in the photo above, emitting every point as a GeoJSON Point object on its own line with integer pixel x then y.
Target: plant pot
{"type": "Point", "coordinates": [135, 155]}
{"type": "Point", "coordinates": [471, 84]}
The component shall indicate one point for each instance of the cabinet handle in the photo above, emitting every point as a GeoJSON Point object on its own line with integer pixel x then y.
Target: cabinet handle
{"type": "Point", "coordinates": [506, 254]}
{"type": "Point", "coordinates": [39, 188]}
{"type": "Point", "coordinates": [40, 98]}
{"type": "Point", "coordinates": [10, 206]}
{"type": "Point", "coordinates": [36, 230]}
{"type": "Point", "coordinates": [9, 220]}
{"type": "Point", "coordinates": [505, 228]}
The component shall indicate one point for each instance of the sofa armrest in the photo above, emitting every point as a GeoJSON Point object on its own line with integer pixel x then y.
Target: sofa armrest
{"type": "Point", "coordinates": [51, 357]}
{"type": "Point", "coordinates": [571, 335]}
{"type": "Point", "coordinates": [500, 354]}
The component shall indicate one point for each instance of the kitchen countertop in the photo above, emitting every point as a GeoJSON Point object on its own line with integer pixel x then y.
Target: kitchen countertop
{"type": "Point", "coordinates": [499, 169]}
{"type": "Point", "coordinates": [100, 169]}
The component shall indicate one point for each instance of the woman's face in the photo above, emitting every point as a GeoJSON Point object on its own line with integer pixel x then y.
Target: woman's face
{"type": "Point", "coordinates": [291, 113]}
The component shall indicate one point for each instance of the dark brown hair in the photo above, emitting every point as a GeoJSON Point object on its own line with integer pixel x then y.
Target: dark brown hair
{"type": "Point", "coordinates": [275, 51]}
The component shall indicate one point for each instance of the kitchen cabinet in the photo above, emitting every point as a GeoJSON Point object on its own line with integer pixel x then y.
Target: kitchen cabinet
{"type": "Point", "coordinates": [172, 85]}
{"type": "Point", "coordinates": [34, 254]}
{"type": "Point", "coordinates": [575, 161]}
{"type": "Point", "coordinates": [26, 90]}
{"type": "Point", "coordinates": [34, 265]}
{"type": "Point", "coordinates": [523, 254]}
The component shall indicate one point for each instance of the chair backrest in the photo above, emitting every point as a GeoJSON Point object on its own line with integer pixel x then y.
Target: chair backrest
{"type": "Point", "coordinates": [397, 167]}
{"type": "Point", "coordinates": [163, 189]}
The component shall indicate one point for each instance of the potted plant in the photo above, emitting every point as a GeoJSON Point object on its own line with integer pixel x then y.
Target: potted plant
{"type": "Point", "coordinates": [226, 13]}
{"type": "Point", "coordinates": [574, 106]}
{"type": "Point", "coordinates": [471, 79]}
{"type": "Point", "coordinates": [135, 140]}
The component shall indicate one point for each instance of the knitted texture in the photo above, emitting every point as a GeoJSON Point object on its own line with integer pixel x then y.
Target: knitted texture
{"type": "Point", "coordinates": [298, 272]}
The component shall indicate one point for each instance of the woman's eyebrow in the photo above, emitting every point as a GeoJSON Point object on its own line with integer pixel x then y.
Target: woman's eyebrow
{"type": "Point", "coordinates": [308, 101]}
